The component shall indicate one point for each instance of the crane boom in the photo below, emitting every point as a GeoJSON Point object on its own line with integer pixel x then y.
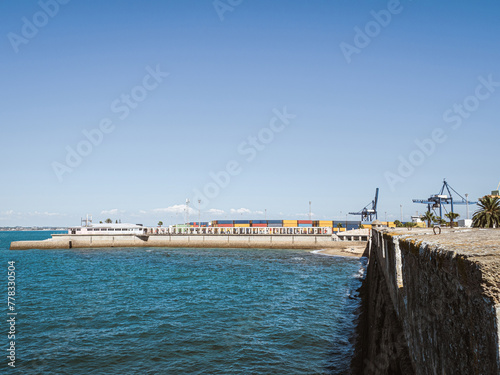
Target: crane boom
{"type": "Point", "coordinates": [368, 213]}
{"type": "Point", "coordinates": [440, 199]}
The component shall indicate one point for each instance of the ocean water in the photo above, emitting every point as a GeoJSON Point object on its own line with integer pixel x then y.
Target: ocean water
{"type": "Point", "coordinates": [178, 311]}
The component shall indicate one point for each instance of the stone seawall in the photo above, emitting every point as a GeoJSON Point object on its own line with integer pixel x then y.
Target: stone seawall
{"type": "Point", "coordinates": [61, 241]}
{"type": "Point", "coordinates": [431, 303]}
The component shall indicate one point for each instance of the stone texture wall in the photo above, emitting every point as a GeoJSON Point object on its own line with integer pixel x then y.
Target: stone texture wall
{"type": "Point", "coordinates": [443, 293]}
{"type": "Point", "coordinates": [381, 345]}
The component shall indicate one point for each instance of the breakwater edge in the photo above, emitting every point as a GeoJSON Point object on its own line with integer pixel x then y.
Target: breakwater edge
{"type": "Point", "coordinates": [430, 303]}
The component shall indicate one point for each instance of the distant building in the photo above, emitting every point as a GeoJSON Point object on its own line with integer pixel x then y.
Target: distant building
{"type": "Point", "coordinates": [464, 223]}
{"type": "Point", "coordinates": [417, 220]}
{"type": "Point", "coordinates": [378, 224]}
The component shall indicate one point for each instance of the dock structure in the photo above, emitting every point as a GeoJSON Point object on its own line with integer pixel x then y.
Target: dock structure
{"type": "Point", "coordinates": [272, 238]}
{"type": "Point", "coordinates": [354, 235]}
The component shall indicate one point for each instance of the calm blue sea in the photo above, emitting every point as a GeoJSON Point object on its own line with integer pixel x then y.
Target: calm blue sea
{"type": "Point", "coordinates": [178, 311]}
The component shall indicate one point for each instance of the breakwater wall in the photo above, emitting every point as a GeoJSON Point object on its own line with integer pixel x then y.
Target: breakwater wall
{"type": "Point", "coordinates": [62, 241]}
{"type": "Point", "coordinates": [430, 303]}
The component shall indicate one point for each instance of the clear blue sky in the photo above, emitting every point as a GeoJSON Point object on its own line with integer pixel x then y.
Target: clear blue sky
{"type": "Point", "coordinates": [229, 72]}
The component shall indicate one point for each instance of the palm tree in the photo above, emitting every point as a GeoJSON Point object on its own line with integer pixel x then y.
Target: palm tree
{"type": "Point", "coordinates": [452, 216]}
{"type": "Point", "coordinates": [339, 225]}
{"type": "Point", "coordinates": [488, 216]}
{"type": "Point", "coordinates": [108, 221]}
{"type": "Point", "coordinates": [160, 223]}
{"type": "Point", "coordinates": [429, 217]}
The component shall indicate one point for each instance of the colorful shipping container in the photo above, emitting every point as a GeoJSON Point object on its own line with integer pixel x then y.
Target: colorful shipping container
{"type": "Point", "coordinates": [290, 223]}
{"type": "Point", "coordinates": [282, 223]}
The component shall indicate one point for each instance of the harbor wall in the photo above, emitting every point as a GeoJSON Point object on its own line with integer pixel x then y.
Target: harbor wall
{"type": "Point", "coordinates": [61, 241]}
{"type": "Point", "coordinates": [430, 303]}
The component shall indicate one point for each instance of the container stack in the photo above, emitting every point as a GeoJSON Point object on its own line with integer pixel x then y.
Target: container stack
{"type": "Point", "coordinates": [275, 223]}
{"type": "Point", "coordinates": [304, 223]}
{"type": "Point", "coordinates": [325, 223]}
{"type": "Point", "coordinates": [242, 223]}
{"type": "Point", "coordinates": [223, 223]}
{"type": "Point", "coordinates": [198, 224]}
{"type": "Point", "coordinates": [290, 223]}
{"type": "Point", "coordinates": [259, 223]}
{"type": "Point", "coordinates": [279, 224]}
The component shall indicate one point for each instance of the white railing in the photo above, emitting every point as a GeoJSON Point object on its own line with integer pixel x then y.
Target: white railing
{"type": "Point", "coordinates": [203, 231]}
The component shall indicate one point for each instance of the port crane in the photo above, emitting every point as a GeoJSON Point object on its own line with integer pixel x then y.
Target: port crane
{"type": "Point", "coordinates": [438, 200]}
{"type": "Point", "coordinates": [368, 213]}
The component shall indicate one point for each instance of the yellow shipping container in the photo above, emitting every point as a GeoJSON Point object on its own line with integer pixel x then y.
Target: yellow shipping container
{"type": "Point", "coordinates": [289, 225]}
{"type": "Point", "coordinates": [323, 223]}
{"type": "Point", "coordinates": [367, 226]}
{"type": "Point", "coordinates": [289, 221]}
{"type": "Point", "coordinates": [342, 229]}
{"type": "Point", "coordinates": [335, 229]}
{"type": "Point", "coordinates": [242, 225]}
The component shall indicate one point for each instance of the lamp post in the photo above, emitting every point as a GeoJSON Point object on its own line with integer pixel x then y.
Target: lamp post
{"type": "Point", "coordinates": [401, 209]}
{"type": "Point", "coordinates": [310, 212]}
{"type": "Point", "coordinates": [467, 206]}
{"type": "Point", "coordinates": [199, 213]}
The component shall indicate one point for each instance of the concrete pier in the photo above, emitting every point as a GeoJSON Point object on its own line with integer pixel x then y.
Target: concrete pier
{"type": "Point", "coordinates": [65, 241]}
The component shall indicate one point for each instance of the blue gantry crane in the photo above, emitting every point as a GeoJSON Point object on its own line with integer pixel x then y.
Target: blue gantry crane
{"type": "Point", "coordinates": [438, 200]}
{"type": "Point", "coordinates": [367, 213]}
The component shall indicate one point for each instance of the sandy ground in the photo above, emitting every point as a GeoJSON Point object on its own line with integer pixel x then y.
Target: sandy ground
{"type": "Point", "coordinates": [353, 249]}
